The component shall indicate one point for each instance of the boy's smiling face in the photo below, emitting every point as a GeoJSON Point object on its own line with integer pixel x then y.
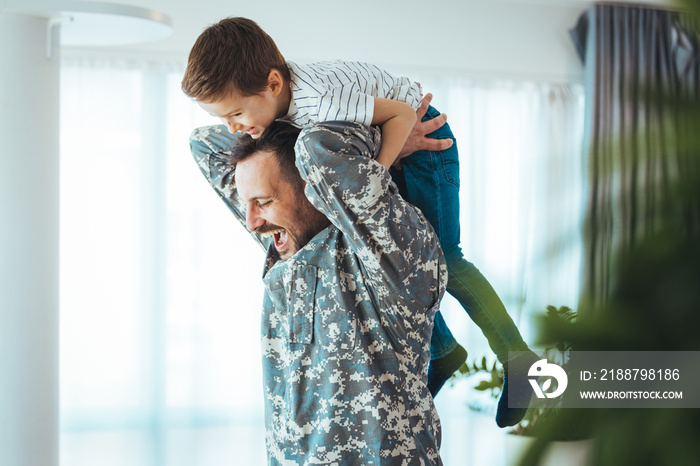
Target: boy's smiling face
{"type": "Point", "coordinates": [252, 114]}
{"type": "Point", "coordinates": [249, 114]}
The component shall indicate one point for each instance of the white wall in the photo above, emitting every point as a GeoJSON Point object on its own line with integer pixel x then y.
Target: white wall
{"type": "Point", "coordinates": [29, 258]}
{"type": "Point", "coordinates": [504, 38]}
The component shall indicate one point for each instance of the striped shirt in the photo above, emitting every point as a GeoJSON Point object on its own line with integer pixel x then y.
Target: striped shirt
{"type": "Point", "coordinates": [344, 91]}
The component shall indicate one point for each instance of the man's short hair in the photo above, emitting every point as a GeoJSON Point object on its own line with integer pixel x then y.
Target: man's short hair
{"type": "Point", "coordinates": [279, 139]}
{"type": "Point", "coordinates": [234, 54]}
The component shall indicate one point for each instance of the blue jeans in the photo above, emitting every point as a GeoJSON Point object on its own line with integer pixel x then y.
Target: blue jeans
{"type": "Point", "coordinates": [430, 181]}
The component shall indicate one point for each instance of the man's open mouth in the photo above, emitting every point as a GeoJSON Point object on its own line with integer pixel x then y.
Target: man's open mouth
{"type": "Point", "coordinates": [279, 236]}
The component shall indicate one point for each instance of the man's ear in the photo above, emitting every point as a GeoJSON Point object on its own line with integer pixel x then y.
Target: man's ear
{"type": "Point", "coordinates": [275, 82]}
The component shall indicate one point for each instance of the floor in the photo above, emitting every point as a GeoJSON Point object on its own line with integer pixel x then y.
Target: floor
{"type": "Point", "coordinates": [469, 438]}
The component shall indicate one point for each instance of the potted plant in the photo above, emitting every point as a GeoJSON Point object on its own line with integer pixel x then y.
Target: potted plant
{"type": "Point", "coordinates": [654, 301]}
{"type": "Point", "coordinates": [571, 442]}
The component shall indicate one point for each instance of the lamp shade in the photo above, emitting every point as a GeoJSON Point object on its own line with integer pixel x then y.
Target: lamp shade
{"type": "Point", "coordinates": [96, 23]}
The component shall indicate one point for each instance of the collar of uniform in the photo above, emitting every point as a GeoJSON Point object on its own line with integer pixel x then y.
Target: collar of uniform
{"type": "Point", "coordinates": [272, 261]}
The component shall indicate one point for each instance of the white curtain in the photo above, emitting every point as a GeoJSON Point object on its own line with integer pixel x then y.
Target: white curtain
{"type": "Point", "coordinates": [161, 290]}
{"type": "Point", "coordinates": [522, 184]}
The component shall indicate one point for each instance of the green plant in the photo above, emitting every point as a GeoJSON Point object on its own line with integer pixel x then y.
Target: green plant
{"type": "Point", "coordinates": [653, 306]}
{"type": "Point", "coordinates": [492, 385]}
{"type": "Point", "coordinates": [558, 321]}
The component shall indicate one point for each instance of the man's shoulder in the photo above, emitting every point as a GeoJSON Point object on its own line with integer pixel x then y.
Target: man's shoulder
{"type": "Point", "coordinates": [340, 138]}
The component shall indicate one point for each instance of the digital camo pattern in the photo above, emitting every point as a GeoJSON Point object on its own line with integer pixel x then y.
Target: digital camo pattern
{"type": "Point", "coordinates": [347, 320]}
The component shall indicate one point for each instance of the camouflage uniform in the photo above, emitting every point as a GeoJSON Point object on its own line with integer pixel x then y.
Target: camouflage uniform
{"type": "Point", "coordinates": [347, 320]}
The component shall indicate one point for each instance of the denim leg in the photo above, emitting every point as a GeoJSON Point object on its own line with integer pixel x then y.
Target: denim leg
{"type": "Point", "coordinates": [485, 308]}
{"type": "Point", "coordinates": [442, 342]}
{"type": "Point", "coordinates": [430, 181]}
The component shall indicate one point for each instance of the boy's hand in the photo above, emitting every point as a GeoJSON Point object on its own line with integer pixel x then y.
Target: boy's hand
{"type": "Point", "coordinates": [417, 140]}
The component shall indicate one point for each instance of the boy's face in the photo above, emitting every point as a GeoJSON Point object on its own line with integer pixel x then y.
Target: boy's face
{"type": "Point", "coordinates": [249, 114]}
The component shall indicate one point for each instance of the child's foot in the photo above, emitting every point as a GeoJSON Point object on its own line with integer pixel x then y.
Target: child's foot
{"type": "Point", "coordinates": [516, 390]}
{"type": "Point", "coordinates": [441, 369]}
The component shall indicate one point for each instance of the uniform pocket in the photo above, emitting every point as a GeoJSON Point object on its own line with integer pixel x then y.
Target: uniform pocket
{"type": "Point", "coordinates": [301, 304]}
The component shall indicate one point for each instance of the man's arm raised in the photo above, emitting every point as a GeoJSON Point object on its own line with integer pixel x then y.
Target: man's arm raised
{"type": "Point", "coordinates": [211, 148]}
{"type": "Point", "coordinates": [356, 194]}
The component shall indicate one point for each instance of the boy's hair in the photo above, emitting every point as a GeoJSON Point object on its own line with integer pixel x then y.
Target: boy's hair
{"type": "Point", "coordinates": [279, 139]}
{"type": "Point", "coordinates": [234, 54]}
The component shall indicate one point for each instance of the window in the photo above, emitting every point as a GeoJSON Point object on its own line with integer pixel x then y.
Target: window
{"type": "Point", "coordinates": [161, 290]}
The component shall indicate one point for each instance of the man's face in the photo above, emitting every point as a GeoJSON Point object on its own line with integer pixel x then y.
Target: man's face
{"type": "Point", "coordinates": [248, 114]}
{"type": "Point", "coordinates": [273, 206]}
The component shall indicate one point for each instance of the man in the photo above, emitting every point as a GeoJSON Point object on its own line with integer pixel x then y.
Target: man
{"type": "Point", "coordinates": [353, 278]}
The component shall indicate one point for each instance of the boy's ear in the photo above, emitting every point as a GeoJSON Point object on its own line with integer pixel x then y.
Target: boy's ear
{"type": "Point", "coordinates": [275, 82]}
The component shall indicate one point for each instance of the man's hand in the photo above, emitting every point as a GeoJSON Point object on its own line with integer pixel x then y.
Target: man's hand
{"type": "Point", "coordinates": [417, 140]}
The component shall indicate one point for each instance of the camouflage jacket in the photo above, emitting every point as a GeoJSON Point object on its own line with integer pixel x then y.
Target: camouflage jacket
{"type": "Point", "coordinates": [347, 320]}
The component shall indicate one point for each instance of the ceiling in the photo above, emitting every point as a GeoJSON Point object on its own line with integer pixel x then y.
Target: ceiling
{"type": "Point", "coordinates": [519, 36]}
{"type": "Point", "coordinates": [284, 18]}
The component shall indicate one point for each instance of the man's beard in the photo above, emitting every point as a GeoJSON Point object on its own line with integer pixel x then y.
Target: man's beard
{"type": "Point", "coordinates": [315, 222]}
{"type": "Point", "coordinates": [309, 222]}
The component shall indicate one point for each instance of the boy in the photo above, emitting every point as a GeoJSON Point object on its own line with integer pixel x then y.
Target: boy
{"type": "Point", "coordinates": [235, 72]}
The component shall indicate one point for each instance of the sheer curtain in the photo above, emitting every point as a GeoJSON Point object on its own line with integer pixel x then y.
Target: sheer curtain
{"type": "Point", "coordinates": [522, 182]}
{"type": "Point", "coordinates": [642, 67]}
{"type": "Point", "coordinates": [161, 290]}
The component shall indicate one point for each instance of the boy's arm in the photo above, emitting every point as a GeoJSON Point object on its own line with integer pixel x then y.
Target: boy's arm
{"type": "Point", "coordinates": [397, 120]}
